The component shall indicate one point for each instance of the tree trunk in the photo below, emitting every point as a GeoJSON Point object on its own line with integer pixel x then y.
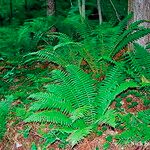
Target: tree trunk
{"type": "Point", "coordinates": [71, 4]}
{"type": "Point", "coordinates": [83, 9]}
{"type": "Point", "coordinates": [81, 6]}
{"type": "Point", "coordinates": [50, 7]}
{"type": "Point", "coordinates": [99, 11]}
{"type": "Point", "coordinates": [141, 10]}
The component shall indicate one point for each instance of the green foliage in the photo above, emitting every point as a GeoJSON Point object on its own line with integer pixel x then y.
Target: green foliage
{"type": "Point", "coordinates": [109, 138]}
{"type": "Point", "coordinates": [73, 103]}
{"type": "Point", "coordinates": [5, 107]}
{"type": "Point", "coordinates": [114, 10]}
{"type": "Point", "coordinates": [77, 97]}
{"type": "Point", "coordinates": [33, 146]}
{"type": "Point", "coordinates": [59, 54]}
{"type": "Point", "coordinates": [20, 11]}
{"type": "Point", "coordinates": [136, 128]}
{"type": "Point", "coordinates": [138, 63]}
{"type": "Point", "coordinates": [7, 42]}
{"type": "Point", "coordinates": [32, 32]}
{"type": "Point", "coordinates": [106, 146]}
{"type": "Point", "coordinates": [106, 40]}
{"type": "Point", "coordinates": [129, 99]}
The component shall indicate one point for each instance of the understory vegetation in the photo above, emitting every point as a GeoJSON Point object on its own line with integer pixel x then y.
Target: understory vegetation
{"type": "Point", "coordinates": [65, 79]}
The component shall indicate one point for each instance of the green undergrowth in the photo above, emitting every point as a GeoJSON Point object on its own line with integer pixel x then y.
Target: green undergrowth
{"type": "Point", "coordinates": [74, 85]}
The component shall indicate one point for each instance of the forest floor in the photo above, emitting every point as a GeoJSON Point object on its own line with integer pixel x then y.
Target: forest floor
{"type": "Point", "coordinates": [15, 140]}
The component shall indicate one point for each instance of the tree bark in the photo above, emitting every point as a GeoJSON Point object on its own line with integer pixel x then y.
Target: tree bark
{"type": "Point", "coordinates": [99, 11]}
{"type": "Point", "coordinates": [83, 9]}
{"type": "Point", "coordinates": [141, 10]}
{"type": "Point", "coordinates": [50, 7]}
{"type": "Point", "coordinates": [81, 5]}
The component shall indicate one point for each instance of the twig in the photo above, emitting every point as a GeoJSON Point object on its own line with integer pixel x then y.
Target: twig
{"type": "Point", "coordinates": [117, 15]}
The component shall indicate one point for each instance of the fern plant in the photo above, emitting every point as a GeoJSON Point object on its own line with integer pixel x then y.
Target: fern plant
{"type": "Point", "coordinates": [75, 105]}
{"type": "Point", "coordinates": [105, 43]}
{"type": "Point", "coordinates": [32, 33]}
{"type": "Point", "coordinates": [64, 53]}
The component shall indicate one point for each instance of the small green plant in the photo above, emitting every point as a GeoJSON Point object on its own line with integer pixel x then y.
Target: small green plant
{"type": "Point", "coordinates": [118, 104]}
{"type": "Point", "coordinates": [104, 128]}
{"type": "Point", "coordinates": [133, 104]}
{"type": "Point", "coordinates": [106, 145]}
{"type": "Point", "coordinates": [129, 99]}
{"type": "Point", "coordinates": [136, 128]}
{"type": "Point", "coordinates": [146, 102]}
{"type": "Point", "coordinates": [99, 133]}
{"type": "Point", "coordinates": [109, 138]}
{"type": "Point", "coordinates": [33, 146]}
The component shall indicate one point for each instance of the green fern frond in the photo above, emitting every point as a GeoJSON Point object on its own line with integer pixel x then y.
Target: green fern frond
{"type": "Point", "coordinates": [65, 44]}
{"type": "Point", "coordinates": [135, 25]}
{"type": "Point", "coordinates": [49, 101]}
{"type": "Point", "coordinates": [131, 38]}
{"type": "Point", "coordinates": [124, 86]}
{"type": "Point", "coordinates": [138, 62]}
{"type": "Point", "coordinates": [49, 116]}
{"type": "Point", "coordinates": [78, 135]}
{"type": "Point", "coordinates": [32, 32]}
{"type": "Point", "coordinates": [64, 53]}
{"type": "Point", "coordinates": [108, 118]}
{"type": "Point", "coordinates": [135, 134]}
{"type": "Point", "coordinates": [110, 87]}
{"type": "Point", "coordinates": [86, 87]}
{"type": "Point", "coordinates": [40, 96]}
{"type": "Point", "coordinates": [79, 113]}
{"type": "Point", "coordinates": [148, 46]}
{"type": "Point", "coordinates": [123, 24]}
{"type": "Point", "coordinates": [66, 89]}
{"type": "Point", "coordinates": [53, 88]}
{"type": "Point", "coordinates": [112, 78]}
